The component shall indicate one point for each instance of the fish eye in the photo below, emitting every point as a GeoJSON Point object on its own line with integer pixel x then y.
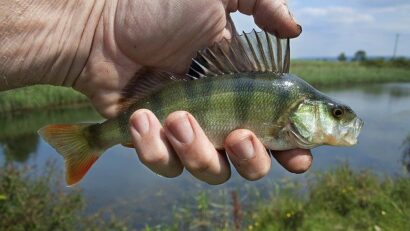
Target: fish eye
{"type": "Point", "coordinates": [337, 112]}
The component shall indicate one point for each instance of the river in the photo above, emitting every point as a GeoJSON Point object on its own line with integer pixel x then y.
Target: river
{"type": "Point", "coordinates": [119, 182]}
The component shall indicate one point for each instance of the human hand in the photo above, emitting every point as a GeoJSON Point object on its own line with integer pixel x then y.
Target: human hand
{"type": "Point", "coordinates": [96, 47]}
{"type": "Point", "coordinates": [166, 35]}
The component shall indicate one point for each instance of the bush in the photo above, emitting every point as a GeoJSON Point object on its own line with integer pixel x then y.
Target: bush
{"type": "Point", "coordinates": [340, 199]}
{"type": "Point", "coordinates": [40, 203]}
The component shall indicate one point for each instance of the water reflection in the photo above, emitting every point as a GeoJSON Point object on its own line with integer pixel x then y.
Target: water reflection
{"type": "Point", "coordinates": [393, 90]}
{"type": "Point", "coordinates": [20, 147]}
{"type": "Point", "coordinates": [406, 154]}
{"type": "Point", "coordinates": [18, 136]}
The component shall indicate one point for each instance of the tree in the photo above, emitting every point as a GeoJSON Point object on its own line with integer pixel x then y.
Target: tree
{"type": "Point", "coordinates": [342, 57]}
{"type": "Point", "coordinates": [360, 56]}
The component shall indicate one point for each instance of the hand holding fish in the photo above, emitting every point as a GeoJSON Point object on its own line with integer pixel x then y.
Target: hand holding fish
{"type": "Point", "coordinates": [166, 35]}
{"type": "Point", "coordinates": [114, 40]}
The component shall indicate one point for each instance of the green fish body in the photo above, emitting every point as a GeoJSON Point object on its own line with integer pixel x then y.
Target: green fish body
{"type": "Point", "coordinates": [228, 93]}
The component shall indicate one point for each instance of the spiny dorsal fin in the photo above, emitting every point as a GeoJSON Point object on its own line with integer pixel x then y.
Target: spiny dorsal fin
{"type": "Point", "coordinates": [249, 52]}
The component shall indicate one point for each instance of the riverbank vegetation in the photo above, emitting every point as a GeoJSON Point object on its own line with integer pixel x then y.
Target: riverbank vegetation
{"type": "Point", "coordinates": [328, 74]}
{"type": "Point", "coordinates": [336, 200]}
{"type": "Point", "coordinates": [40, 97]}
{"type": "Point", "coordinates": [39, 202]}
{"type": "Point", "coordinates": [339, 199]}
{"type": "Point", "coordinates": [318, 73]}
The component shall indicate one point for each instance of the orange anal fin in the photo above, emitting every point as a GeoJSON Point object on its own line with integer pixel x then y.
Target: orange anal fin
{"type": "Point", "coordinates": [76, 169]}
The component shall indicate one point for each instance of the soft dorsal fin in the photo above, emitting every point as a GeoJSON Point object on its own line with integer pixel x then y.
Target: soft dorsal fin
{"type": "Point", "coordinates": [145, 82]}
{"type": "Point", "coordinates": [249, 52]}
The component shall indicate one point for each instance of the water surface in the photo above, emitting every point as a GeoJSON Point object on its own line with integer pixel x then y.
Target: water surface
{"type": "Point", "coordinates": [118, 181]}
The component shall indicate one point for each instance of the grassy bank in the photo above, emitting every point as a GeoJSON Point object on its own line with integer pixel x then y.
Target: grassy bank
{"type": "Point", "coordinates": [40, 203]}
{"type": "Point", "coordinates": [337, 200]}
{"type": "Point", "coordinates": [36, 97]}
{"type": "Point", "coordinates": [318, 73]}
{"type": "Point", "coordinates": [323, 73]}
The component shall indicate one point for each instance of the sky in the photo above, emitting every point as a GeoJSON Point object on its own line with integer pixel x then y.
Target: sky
{"type": "Point", "coordinates": [334, 26]}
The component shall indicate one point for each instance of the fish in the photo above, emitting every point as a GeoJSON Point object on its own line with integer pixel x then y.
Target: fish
{"type": "Point", "coordinates": [243, 82]}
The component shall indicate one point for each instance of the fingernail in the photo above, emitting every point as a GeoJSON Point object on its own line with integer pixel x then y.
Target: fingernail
{"type": "Point", "coordinates": [243, 149]}
{"type": "Point", "coordinates": [300, 28]}
{"type": "Point", "coordinates": [181, 129]}
{"type": "Point", "coordinates": [141, 123]}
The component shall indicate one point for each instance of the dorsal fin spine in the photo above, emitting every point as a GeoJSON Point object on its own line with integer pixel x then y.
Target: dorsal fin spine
{"type": "Point", "coordinates": [262, 52]}
{"type": "Point", "coordinates": [287, 57]}
{"type": "Point", "coordinates": [228, 60]}
{"type": "Point", "coordinates": [279, 45]}
{"type": "Point", "coordinates": [198, 73]}
{"type": "Point", "coordinates": [272, 56]}
{"type": "Point", "coordinates": [202, 55]}
{"type": "Point", "coordinates": [219, 62]}
{"type": "Point", "coordinates": [246, 54]}
{"type": "Point", "coordinates": [258, 67]}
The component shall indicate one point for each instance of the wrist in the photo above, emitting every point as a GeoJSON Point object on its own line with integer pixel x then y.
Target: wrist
{"type": "Point", "coordinates": [46, 42]}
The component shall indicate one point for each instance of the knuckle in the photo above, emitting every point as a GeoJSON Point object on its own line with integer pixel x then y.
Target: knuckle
{"type": "Point", "coordinates": [200, 165]}
{"type": "Point", "coordinates": [253, 173]}
{"type": "Point", "coordinates": [154, 156]}
{"type": "Point", "coordinates": [196, 159]}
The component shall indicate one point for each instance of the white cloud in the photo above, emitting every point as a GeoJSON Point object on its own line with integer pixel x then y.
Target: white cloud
{"type": "Point", "coordinates": [334, 14]}
{"type": "Point", "coordinates": [330, 27]}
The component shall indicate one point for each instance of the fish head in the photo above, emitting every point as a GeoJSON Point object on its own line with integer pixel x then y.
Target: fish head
{"type": "Point", "coordinates": [324, 122]}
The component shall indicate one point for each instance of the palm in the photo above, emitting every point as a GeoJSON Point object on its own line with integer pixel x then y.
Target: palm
{"type": "Point", "coordinates": [147, 36]}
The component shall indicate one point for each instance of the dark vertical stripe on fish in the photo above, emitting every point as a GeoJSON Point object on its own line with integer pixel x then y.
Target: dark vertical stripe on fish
{"type": "Point", "coordinates": [244, 90]}
{"type": "Point", "coordinates": [189, 91]}
{"type": "Point", "coordinates": [157, 104]}
{"type": "Point", "coordinates": [206, 90]}
{"type": "Point", "coordinates": [122, 125]}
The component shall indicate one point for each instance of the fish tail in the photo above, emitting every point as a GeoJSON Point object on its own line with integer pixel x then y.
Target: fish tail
{"type": "Point", "coordinates": [73, 143]}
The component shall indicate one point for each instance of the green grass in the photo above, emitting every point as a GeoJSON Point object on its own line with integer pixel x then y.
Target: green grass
{"type": "Point", "coordinates": [336, 200]}
{"type": "Point", "coordinates": [41, 203]}
{"type": "Point", "coordinates": [318, 73]}
{"type": "Point", "coordinates": [323, 73]}
{"type": "Point", "coordinates": [13, 126]}
{"type": "Point", "coordinates": [37, 97]}
{"type": "Point", "coordinates": [339, 200]}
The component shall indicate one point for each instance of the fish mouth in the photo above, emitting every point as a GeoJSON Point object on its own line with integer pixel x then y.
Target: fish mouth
{"type": "Point", "coordinates": [298, 139]}
{"type": "Point", "coordinates": [353, 134]}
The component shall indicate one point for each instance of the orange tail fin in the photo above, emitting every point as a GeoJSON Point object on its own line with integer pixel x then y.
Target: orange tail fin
{"type": "Point", "coordinates": [70, 142]}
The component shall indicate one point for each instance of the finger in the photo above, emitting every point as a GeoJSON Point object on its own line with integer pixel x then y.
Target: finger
{"type": "Point", "coordinates": [247, 154]}
{"type": "Point", "coordinates": [246, 6]}
{"type": "Point", "coordinates": [152, 146]}
{"type": "Point", "coordinates": [272, 16]}
{"type": "Point", "coordinates": [194, 149]}
{"type": "Point", "coordinates": [296, 160]}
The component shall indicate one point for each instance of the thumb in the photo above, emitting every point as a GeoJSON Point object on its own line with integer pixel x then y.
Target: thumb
{"type": "Point", "coordinates": [272, 16]}
{"type": "Point", "coordinates": [275, 17]}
